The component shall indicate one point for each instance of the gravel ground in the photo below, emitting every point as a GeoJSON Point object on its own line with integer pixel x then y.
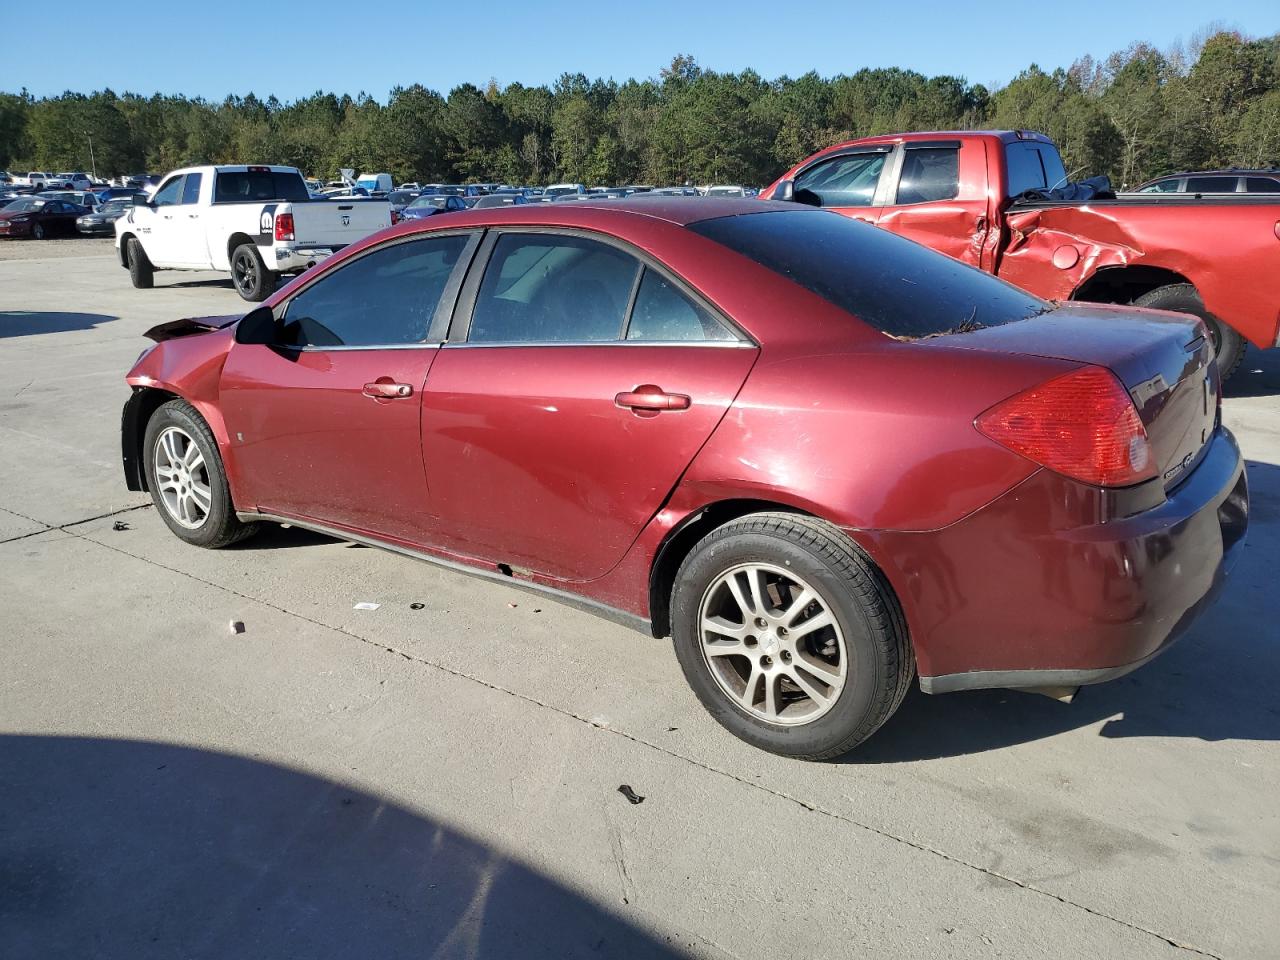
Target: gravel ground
{"type": "Point", "coordinates": [56, 248]}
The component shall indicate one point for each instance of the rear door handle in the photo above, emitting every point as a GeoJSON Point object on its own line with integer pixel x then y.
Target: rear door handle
{"type": "Point", "coordinates": [647, 397]}
{"type": "Point", "coordinates": [385, 389]}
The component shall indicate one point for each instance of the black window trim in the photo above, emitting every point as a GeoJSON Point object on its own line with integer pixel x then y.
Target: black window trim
{"type": "Point", "coordinates": [438, 326]}
{"type": "Point", "coordinates": [464, 306]}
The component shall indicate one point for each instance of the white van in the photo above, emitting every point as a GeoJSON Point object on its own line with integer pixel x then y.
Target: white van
{"type": "Point", "coordinates": [375, 183]}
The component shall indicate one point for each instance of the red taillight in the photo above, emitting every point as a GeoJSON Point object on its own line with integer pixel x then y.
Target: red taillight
{"type": "Point", "coordinates": [396, 217]}
{"type": "Point", "coordinates": [284, 226]}
{"type": "Point", "coordinates": [1082, 425]}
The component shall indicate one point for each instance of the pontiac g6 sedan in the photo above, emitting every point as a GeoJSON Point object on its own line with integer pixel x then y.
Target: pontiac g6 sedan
{"type": "Point", "coordinates": [821, 457]}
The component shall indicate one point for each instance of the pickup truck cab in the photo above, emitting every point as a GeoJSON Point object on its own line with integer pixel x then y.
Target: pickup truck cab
{"type": "Point", "coordinates": [990, 198]}
{"type": "Point", "coordinates": [254, 222]}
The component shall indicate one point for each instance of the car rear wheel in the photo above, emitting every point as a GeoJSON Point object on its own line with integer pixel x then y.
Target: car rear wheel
{"type": "Point", "coordinates": [187, 480]}
{"type": "Point", "coordinates": [1228, 345]}
{"type": "Point", "coordinates": [790, 636]}
{"type": "Point", "coordinates": [37, 231]}
{"type": "Point", "coordinates": [254, 282]}
{"type": "Point", "coordinates": [141, 273]}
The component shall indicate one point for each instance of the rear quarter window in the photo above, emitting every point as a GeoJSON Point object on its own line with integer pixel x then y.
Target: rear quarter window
{"type": "Point", "coordinates": [890, 283]}
{"type": "Point", "coordinates": [1033, 166]}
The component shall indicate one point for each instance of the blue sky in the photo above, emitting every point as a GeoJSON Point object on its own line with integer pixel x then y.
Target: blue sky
{"type": "Point", "coordinates": [294, 49]}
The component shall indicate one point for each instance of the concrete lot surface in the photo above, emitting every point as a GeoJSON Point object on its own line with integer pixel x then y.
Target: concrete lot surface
{"type": "Point", "coordinates": [443, 782]}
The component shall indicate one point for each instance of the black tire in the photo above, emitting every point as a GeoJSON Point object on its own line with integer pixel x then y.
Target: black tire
{"type": "Point", "coordinates": [220, 526]}
{"type": "Point", "coordinates": [253, 281]}
{"type": "Point", "coordinates": [879, 664]}
{"type": "Point", "coordinates": [37, 231]}
{"type": "Point", "coordinates": [1228, 345]}
{"type": "Point", "coordinates": [141, 272]}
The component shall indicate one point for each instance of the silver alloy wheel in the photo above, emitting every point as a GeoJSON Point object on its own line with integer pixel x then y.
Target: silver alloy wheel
{"type": "Point", "coordinates": [772, 644]}
{"type": "Point", "coordinates": [182, 478]}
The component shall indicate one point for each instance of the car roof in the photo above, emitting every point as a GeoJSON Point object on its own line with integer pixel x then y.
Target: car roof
{"type": "Point", "coordinates": [680, 211]}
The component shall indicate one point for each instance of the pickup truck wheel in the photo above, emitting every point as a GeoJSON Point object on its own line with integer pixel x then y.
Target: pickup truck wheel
{"type": "Point", "coordinates": [187, 480]}
{"type": "Point", "coordinates": [1228, 345]}
{"type": "Point", "coordinates": [254, 282]}
{"type": "Point", "coordinates": [789, 635]}
{"type": "Point", "coordinates": [141, 272]}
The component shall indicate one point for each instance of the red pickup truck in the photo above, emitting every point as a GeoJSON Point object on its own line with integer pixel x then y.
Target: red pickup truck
{"type": "Point", "coordinates": [988, 197]}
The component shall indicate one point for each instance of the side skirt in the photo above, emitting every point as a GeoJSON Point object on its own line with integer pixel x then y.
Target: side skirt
{"type": "Point", "coordinates": [585, 604]}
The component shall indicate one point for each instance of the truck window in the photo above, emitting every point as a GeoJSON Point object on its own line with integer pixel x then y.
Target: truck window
{"type": "Point", "coordinates": [888, 282]}
{"type": "Point", "coordinates": [1033, 166]}
{"type": "Point", "coordinates": [191, 189]}
{"type": "Point", "coordinates": [169, 193]}
{"type": "Point", "coordinates": [844, 181]}
{"type": "Point", "coordinates": [1262, 185]}
{"type": "Point", "coordinates": [929, 173]}
{"type": "Point", "coordinates": [1211, 184]}
{"type": "Point", "coordinates": [245, 186]}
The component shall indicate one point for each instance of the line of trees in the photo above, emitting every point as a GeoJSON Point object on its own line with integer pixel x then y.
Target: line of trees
{"type": "Point", "coordinates": [1136, 114]}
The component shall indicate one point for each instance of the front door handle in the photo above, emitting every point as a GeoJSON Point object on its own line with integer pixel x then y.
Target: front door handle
{"type": "Point", "coordinates": [386, 389]}
{"type": "Point", "coordinates": [648, 398]}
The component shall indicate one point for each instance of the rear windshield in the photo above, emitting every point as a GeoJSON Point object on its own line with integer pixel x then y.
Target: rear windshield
{"type": "Point", "coordinates": [251, 185]}
{"type": "Point", "coordinates": [890, 283]}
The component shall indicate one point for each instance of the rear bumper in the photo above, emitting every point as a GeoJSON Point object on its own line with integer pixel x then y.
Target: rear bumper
{"type": "Point", "coordinates": [292, 259]}
{"type": "Point", "coordinates": [1026, 593]}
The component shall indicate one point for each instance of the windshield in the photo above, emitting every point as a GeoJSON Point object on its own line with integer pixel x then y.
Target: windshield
{"type": "Point", "coordinates": [27, 203]}
{"type": "Point", "coordinates": [890, 283]}
{"type": "Point", "coordinates": [249, 185]}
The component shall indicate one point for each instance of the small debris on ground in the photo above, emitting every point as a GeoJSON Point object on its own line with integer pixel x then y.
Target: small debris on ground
{"type": "Point", "coordinates": [416, 606]}
{"type": "Point", "coordinates": [513, 605]}
{"type": "Point", "coordinates": [537, 609]}
{"type": "Point", "coordinates": [630, 794]}
{"type": "Point", "coordinates": [119, 525]}
{"type": "Point", "coordinates": [366, 605]}
{"type": "Point", "coordinates": [672, 729]}
{"type": "Point", "coordinates": [236, 626]}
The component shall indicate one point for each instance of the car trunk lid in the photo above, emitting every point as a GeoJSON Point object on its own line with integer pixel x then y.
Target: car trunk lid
{"type": "Point", "coordinates": [1164, 360]}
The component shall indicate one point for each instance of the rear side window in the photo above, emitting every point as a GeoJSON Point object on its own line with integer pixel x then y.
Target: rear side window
{"type": "Point", "coordinates": [251, 185]}
{"type": "Point", "coordinates": [542, 288]}
{"type": "Point", "coordinates": [662, 313]}
{"type": "Point", "coordinates": [1262, 185]}
{"type": "Point", "coordinates": [1211, 184]}
{"type": "Point", "coordinates": [886, 281]}
{"type": "Point", "coordinates": [384, 298]}
{"type": "Point", "coordinates": [929, 173]}
{"type": "Point", "coordinates": [191, 189]}
{"type": "Point", "coordinates": [1033, 166]}
{"type": "Point", "coordinates": [845, 181]}
{"type": "Point", "coordinates": [1162, 186]}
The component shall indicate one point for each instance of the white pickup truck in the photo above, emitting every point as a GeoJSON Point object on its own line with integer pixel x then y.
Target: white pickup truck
{"type": "Point", "coordinates": [254, 222]}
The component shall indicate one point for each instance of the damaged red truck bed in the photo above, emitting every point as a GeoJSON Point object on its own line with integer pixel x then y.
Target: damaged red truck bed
{"type": "Point", "coordinates": [984, 197]}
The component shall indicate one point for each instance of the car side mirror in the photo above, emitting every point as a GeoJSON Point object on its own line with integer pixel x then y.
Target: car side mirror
{"type": "Point", "coordinates": [786, 190]}
{"type": "Point", "coordinates": [141, 200]}
{"type": "Point", "coordinates": [257, 326]}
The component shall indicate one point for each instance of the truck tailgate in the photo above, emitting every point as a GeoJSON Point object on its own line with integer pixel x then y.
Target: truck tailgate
{"type": "Point", "coordinates": [336, 223]}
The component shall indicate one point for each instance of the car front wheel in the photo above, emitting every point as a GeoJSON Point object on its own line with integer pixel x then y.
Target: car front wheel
{"type": "Point", "coordinates": [187, 480]}
{"type": "Point", "coordinates": [789, 635]}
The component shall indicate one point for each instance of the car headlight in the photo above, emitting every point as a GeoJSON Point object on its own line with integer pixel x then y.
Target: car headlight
{"type": "Point", "coordinates": [19, 219]}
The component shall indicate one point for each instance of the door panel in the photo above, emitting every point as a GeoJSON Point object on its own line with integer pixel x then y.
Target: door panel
{"type": "Point", "coordinates": [940, 200]}
{"type": "Point", "coordinates": [308, 442]}
{"type": "Point", "coordinates": [531, 461]}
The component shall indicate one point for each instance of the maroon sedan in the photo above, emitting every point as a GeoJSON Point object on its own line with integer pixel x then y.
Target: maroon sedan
{"type": "Point", "coordinates": [39, 217]}
{"type": "Point", "coordinates": [820, 456]}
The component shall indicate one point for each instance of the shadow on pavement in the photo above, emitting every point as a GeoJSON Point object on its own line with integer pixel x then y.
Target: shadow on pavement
{"type": "Point", "coordinates": [22, 323]}
{"type": "Point", "coordinates": [224, 282]}
{"type": "Point", "coordinates": [1217, 683]}
{"type": "Point", "coordinates": [126, 849]}
{"type": "Point", "coordinates": [1258, 375]}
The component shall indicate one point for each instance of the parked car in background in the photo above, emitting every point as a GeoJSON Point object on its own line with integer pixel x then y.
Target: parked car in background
{"type": "Point", "coordinates": [113, 193]}
{"type": "Point", "coordinates": [38, 218]}
{"type": "Point", "coordinates": [81, 198]}
{"type": "Point", "coordinates": [411, 185]}
{"type": "Point", "coordinates": [725, 191]}
{"type": "Point", "coordinates": [804, 584]}
{"type": "Point", "coordinates": [1215, 181]}
{"type": "Point", "coordinates": [399, 199]}
{"type": "Point", "coordinates": [255, 222]}
{"type": "Point", "coordinates": [34, 179]}
{"type": "Point", "coordinates": [102, 221]}
{"type": "Point", "coordinates": [429, 204]}
{"type": "Point", "coordinates": [1001, 201]}
{"type": "Point", "coordinates": [78, 181]}
{"type": "Point", "coordinates": [498, 200]}
{"type": "Point", "coordinates": [560, 189]}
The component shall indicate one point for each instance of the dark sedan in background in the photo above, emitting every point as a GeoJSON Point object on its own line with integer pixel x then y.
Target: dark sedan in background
{"type": "Point", "coordinates": [428, 205]}
{"type": "Point", "coordinates": [37, 218]}
{"type": "Point", "coordinates": [102, 222]}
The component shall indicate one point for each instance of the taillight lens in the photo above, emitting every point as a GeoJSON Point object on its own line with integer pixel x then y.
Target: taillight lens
{"type": "Point", "coordinates": [284, 226]}
{"type": "Point", "coordinates": [396, 217]}
{"type": "Point", "coordinates": [1082, 425]}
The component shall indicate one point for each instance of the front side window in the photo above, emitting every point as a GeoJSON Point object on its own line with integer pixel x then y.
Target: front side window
{"type": "Point", "coordinates": [928, 174]}
{"type": "Point", "coordinates": [541, 288]}
{"type": "Point", "coordinates": [191, 189]}
{"type": "Point", "coordinates": [384, 298]}
{"type": "Point", "coordinates": [663, 313]}
{"type": "Point", "coordinates": [845, 181]}
{"type": "Point", "coordinates": [169, 193]}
